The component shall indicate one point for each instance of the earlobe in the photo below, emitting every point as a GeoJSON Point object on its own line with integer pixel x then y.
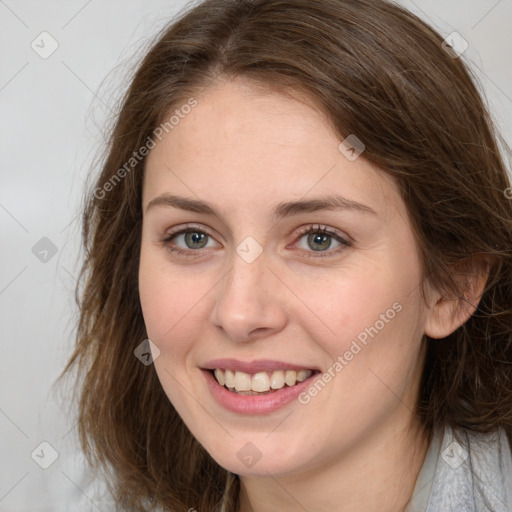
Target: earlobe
{"type": "Point", "coordinates": [448, 313]}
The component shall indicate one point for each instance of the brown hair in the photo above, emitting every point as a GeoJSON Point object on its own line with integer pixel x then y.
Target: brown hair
{"type": "Point", "coordinates": [376, 71]}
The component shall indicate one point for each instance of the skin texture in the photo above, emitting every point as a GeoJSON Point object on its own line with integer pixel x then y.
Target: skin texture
{"type": "Point", "coordinates": [356, 445]}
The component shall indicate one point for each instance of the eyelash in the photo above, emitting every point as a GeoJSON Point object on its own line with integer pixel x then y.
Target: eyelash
{"type": "Point", "coordinates": [166, 240]}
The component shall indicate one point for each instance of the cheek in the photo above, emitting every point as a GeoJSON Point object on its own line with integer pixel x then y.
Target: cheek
{"type": "Point", "coordinates": [162, 297]}
{"type": "Point", "coordinates": [166, 311]}
{"type": "Point", "coordinates": [353, 301]}
{"type": "Point", "coordinates": [173, 302]}
{"type": "Point", "coordinates": [372, 314]}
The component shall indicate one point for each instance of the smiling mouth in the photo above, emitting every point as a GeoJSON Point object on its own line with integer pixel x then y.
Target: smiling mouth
{"type": "Point", "coordinates": [261, 383]}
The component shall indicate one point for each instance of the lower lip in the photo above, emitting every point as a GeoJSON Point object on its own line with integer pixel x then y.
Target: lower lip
{"type": "Point", "coordinates": [254, 404]}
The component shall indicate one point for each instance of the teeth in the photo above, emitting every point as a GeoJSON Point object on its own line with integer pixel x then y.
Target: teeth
{"type": "Point", "coordinates": [229, 379]}
{"type": "Point", "coordinates": [261, 382]}
{"type": "Point", "coordinates": [219, 376]}
{"type": "Point", "coordinates": [277, 380]}
{"type": "Point", "coordinates": [302, 375]}
{"type": "Point", "coordinates": [242, 381]}
{"type": "Point", "coordinates": [290, 378]}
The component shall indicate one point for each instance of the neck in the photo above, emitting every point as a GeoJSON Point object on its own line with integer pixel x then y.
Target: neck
{"type": "Point", "coordinates": [378, 475]}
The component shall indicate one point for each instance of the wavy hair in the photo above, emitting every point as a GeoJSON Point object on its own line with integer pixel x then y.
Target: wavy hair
{"type": "Point", "coordinates": [375, 70]}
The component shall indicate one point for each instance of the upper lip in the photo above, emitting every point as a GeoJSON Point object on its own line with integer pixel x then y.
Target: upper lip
{"type": "Point", "coordinates": [258, 365]}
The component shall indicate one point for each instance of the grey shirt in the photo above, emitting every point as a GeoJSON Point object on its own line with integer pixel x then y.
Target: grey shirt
{"type": "Point", "coordinates": [465, 472]}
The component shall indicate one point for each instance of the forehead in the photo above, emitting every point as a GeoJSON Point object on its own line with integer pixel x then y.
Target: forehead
{"type": "Point", "coordinates": [242, 144]}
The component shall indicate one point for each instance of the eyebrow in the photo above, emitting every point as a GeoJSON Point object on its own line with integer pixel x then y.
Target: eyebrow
{"type": "Point", "coordinates": [288, 209]}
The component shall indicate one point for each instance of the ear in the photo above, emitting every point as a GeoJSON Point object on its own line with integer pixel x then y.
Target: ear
{"type": "Point", "coordinates": [448, 313]}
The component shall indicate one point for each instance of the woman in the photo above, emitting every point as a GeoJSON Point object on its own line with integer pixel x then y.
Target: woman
{"type": "Point", "coordinates": [303, 222]}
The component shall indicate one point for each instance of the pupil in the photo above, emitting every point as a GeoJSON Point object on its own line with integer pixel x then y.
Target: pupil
{"type": "Point", "coordinates": [193, 237]}
{"type": "Point", "coordinates": [319, 239]}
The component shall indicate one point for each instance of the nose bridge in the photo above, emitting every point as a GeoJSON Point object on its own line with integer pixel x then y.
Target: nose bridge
{"type": "Point", "coordinates": [245, 278]}
{"type": "Point", "coordinates": [245, 282]}
{"type": "Point", "coordinates": [247, 298]}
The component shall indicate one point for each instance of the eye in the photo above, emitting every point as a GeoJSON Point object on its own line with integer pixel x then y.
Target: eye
{"type": "Point", "coordinates": [193, 237]}
{"type": "Point", "coordinates": [319, 239]}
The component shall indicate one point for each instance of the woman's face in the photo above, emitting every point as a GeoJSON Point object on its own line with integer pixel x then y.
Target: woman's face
{"type": "Point", "coordinates": [247, 291]}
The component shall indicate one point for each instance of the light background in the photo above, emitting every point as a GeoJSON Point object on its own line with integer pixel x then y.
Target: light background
{"type": "Point", "coordinates": [54, 112]}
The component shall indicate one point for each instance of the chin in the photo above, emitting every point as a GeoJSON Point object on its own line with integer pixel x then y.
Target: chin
{"type": "Point", "coordinates": [246, 457]}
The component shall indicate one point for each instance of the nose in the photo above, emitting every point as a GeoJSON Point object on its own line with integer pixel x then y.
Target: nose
{"type": "Point", "coordinates": [249, 301]}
